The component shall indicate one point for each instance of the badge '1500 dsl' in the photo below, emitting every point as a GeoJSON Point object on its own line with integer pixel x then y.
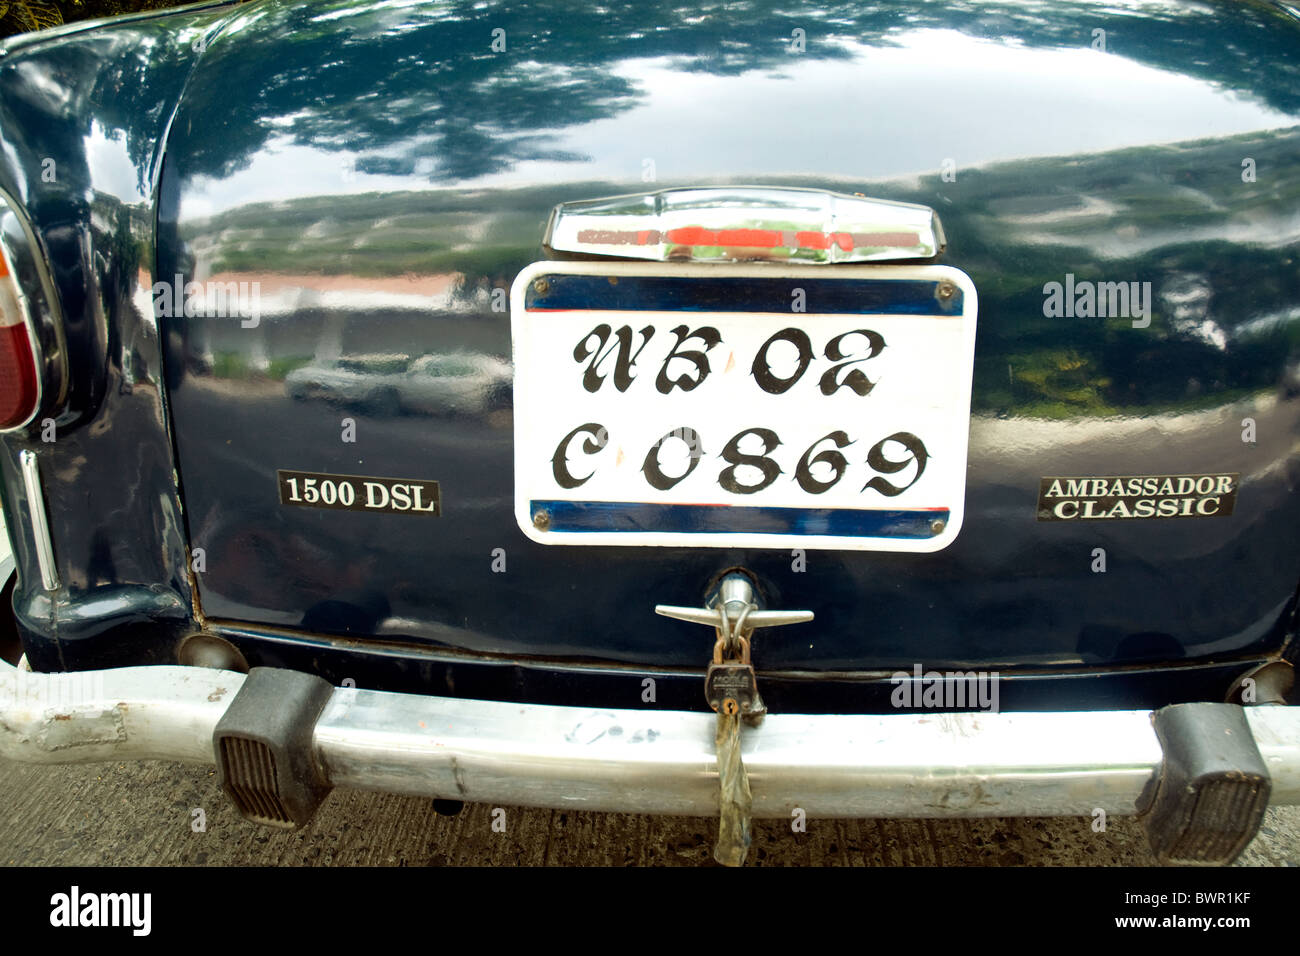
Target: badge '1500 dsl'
{"type": "Point", "coordinates": [442, 426]}
{"type": "Point", "coordinates": [363, 494]}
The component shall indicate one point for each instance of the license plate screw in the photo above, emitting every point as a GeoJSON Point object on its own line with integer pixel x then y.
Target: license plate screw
{"type": "Point", "coordinates": [937, 525]}
{"type": "Point", "coordinates": [541, 286]}
{"type": "Point", "coordinates": [542, 520]}
{"type": "Point", "coordinates": [946, 290]}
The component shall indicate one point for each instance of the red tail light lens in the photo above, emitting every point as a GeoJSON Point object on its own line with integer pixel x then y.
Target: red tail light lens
{"type": "Point", "coordinates": [19, 391]}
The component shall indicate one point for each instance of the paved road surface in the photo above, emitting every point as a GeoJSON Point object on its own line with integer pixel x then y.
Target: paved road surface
{"type": "Point", "coordinates": [131, 814]}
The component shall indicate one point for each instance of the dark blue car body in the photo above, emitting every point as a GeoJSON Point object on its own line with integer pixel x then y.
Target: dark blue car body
{"type": "Point", "coordinates": [380, 170]}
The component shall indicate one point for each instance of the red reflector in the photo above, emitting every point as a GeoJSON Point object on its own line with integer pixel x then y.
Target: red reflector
{"type": "Point", "coordinates": [18, 390]}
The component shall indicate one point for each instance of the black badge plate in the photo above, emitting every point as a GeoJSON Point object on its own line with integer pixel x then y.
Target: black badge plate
{"type": "Point", "coordinates": [407, 496]}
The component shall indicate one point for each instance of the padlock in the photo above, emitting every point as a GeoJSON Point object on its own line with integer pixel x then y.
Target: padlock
{"type": "Point", "coordinates": [731, 681]}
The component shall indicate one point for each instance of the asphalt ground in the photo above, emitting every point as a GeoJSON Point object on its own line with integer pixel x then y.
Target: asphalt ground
{"type": "Point", "coordinates": [144, 814]}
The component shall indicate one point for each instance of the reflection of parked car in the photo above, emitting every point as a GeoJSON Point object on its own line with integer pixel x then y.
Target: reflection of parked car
{"type": "Point", "coordinates": [391, 384]}
{"type": "Point", "coordinates": [1291, 379]}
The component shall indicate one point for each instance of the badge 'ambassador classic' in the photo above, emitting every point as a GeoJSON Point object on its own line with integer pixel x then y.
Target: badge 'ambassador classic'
{"type": "Point", "coordinates": [1139, 496]}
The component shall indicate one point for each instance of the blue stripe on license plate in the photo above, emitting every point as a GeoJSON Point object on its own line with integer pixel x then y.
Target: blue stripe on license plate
{"type": "Point", "coordinates": [736, 519]}
{"type": "Point", "coordinates": [565, 293]}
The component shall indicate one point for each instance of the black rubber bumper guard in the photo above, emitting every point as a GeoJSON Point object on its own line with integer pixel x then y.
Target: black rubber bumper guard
{"type": "Point", "coordinates": [265, 758]}
{"type": "Point", "coordinates": [1208, 801]}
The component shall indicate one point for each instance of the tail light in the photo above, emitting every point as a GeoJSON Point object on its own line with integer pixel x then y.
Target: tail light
{"type": "Point", "coordinates": [19, 383]}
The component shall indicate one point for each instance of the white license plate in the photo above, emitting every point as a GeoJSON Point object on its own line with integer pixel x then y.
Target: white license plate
{"type": "Point", "coordinates": [742, 406]}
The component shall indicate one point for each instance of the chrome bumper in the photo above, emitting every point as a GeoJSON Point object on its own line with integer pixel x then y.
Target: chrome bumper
{"type": "Point", "coordinates": [635, 761]}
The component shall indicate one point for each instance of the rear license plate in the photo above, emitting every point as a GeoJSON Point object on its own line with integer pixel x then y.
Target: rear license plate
{"type": "Point", "coordinates": [743, 406]}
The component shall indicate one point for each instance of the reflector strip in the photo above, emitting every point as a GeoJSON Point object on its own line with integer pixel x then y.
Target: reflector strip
{"type": "Point", "coordinates": [697, 237]}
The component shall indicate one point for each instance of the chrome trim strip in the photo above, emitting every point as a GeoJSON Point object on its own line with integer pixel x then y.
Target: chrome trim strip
{"type": "Point", "coordinates": [40, 522]}
{"type": "Point", "coordinates": [635, 761]}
